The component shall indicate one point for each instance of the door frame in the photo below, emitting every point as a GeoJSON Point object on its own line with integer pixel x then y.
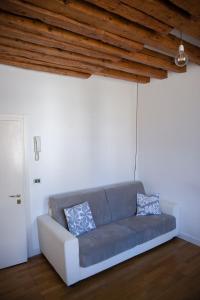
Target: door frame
{"type": "Point", "coordinates": [26, 188]}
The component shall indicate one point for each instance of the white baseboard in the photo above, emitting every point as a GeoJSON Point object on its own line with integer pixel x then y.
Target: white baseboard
{"type": "Point", "coordinates": [34, 252]}
{"type": "Point", "coordinates": [189, 238]}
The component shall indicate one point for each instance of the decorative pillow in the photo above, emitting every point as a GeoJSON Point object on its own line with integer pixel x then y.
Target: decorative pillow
{"type": "Point", "coordinates": [148, 205]}
{"type": "Point", "coordinates": [79, 218]}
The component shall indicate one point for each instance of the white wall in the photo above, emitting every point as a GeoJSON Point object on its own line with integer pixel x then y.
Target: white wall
{"type": "Point", "coordinates": [87, 129]}
{"type": "Point", "coordinates": [88, 136]}
{"type": "Point", "coordinates": [169, 144]}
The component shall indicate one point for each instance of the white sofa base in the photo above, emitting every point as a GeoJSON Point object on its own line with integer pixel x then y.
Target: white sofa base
{"type": "Point", "coordinates": [61, 248]}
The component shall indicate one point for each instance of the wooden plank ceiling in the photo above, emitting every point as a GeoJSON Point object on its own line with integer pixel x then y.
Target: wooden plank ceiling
{"type": "Point", "coordinates": [109, 38]}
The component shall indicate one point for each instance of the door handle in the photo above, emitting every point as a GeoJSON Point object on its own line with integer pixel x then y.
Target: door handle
{"type": "Point", "coordinates": [15, 196]}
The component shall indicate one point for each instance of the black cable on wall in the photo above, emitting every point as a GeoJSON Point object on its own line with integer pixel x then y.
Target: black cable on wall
{"type": "Point", "coordinates": [136, 132]}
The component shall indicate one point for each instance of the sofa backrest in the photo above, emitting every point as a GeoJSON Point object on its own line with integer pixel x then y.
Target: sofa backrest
{"type": "Point", "coordinates": [122, 199]}
{"type": "Point", "coordinates": [108, 203]}
{"type": "Point", "coordinates": [95, 197]}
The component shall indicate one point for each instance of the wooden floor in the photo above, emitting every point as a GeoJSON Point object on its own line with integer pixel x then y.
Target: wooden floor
{"type": "Point", "coordinates": [170, 271]}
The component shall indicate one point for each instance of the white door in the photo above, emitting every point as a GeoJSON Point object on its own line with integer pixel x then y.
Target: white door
{"type": "Point", "coordinates": [13, 241]}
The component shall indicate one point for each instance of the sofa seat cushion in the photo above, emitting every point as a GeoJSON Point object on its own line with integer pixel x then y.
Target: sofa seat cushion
{"type": "Point", "coordinates": [103, 243]}
{"type": "Point", "coordinates": [114, 238]}
{"type": "Point", "coordinates": [146, 228]}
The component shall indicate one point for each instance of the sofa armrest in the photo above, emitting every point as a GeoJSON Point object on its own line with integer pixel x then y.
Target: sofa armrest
{"type": "Point", "coordinates": [171, 208]}
{"type": "Point", "coordinates": [60, 247]}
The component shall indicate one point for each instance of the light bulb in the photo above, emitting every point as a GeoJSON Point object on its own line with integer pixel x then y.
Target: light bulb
{"type": "Point", "coordinates": [181, 59]}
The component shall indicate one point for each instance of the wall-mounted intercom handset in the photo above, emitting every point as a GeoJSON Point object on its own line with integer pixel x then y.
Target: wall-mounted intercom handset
{"type": "Point", "coordinates": [37, 147]}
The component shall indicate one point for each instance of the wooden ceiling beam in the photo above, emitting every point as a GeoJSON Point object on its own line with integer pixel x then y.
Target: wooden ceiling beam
{"type": "Point", "coordinates": [124, 65]}
{"type": "Point", "coordinates": [153, 53]}
{"type": "Point", "coordinates": [132, 14]}
{"type": "Point", "coordinates": [12, 32]}
{"type": "Point", "coordinates": [165, 63]}
{"type": "Point", "coordinates": [80, 11]}
{"type": "Point", "coordinates": [48, 58]}
{"type": "Point", "coordinates": [146, 56]}
{"type": "Point", "coordinates": [155, 59]}
{"type": "Point", "coordinates": [23, 62]}
{"type": "Point", "coordinates": [64, 22]}
{"type": "Point", "coordinates": [52, 55]}
{"type": "Point", "coordinates": [168, 14]}
{"type": "Point", "coordinates": [47, 42]}
{"type": "Point", "coordinates": [123, 76]}
{"type": "Point", "coordinates": [191, 6]}
{"type": "Point", "coordinates": [40, 67]}
{"type": "Point", "coordinates": [14, 58]}
{"type": "Point", "coordinates": [58, 34]}
{"type": "Point", "coordinates": [19, 23]}
{"type": "Point", "coordinates": [86, 13]}
{"type": "Point", "coordinates": [138, 68]}
{"type": "Point", "coordinates": [23, 45]}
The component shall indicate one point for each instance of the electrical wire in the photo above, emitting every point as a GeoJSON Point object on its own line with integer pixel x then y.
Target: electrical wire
{"type": "Point", "coordinates": [136, 133]}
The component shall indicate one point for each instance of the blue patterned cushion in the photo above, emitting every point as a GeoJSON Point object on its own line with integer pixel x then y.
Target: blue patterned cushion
{"type": "Point", "coordinates": [79, 218]}
{"type": "Point", "coordinates": [148, 205]}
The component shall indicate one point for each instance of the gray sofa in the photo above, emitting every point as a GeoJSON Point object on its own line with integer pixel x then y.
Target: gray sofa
{"type": "Point", "coordinates": [118, 235]}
